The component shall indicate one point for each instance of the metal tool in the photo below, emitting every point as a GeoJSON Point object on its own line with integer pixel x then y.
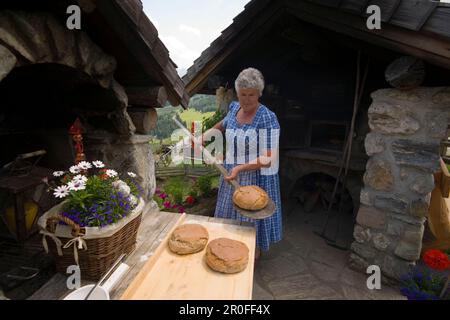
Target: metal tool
{"type": "Point", "coordinates": [107, 274]}
{"type": "Point", "coordinates": [253, 214]}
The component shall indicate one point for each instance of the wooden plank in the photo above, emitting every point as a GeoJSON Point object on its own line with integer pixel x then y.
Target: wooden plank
{"type": "Point", "coordinates": [328, 3]}
{"type": "Point", "coordinates": [149, 239]}
{"type": "Point", "coordinates": [154, 97]}
{"type": "Point", "coordinates": [153, 227]}
{"type": "Point", "coordinates": [256, 28]}
{"type": "Point", "coordinates": [170, 276]}
{"type": "Point", "coordinates": [444, 180]}
{"type": "Point", "coordinates": [152, 58]}
{"type": "Point", "coordinates": [54, 289]}
{"type": "Point", "coordinates": [409, 42]}
{"type": "Point", "coordinates": [387, 8]}
{"type": "Point", "coordinates": [439, 22]}
{"type": "Point", "coordinates": [413, 14]}
{"type": "Point", "coordinates": [354, 6]}
{"type": "Point", "coordinates": [132, 8]}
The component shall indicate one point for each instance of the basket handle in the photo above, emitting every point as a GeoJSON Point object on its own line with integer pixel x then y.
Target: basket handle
{"type": "Point", "coordinates": [76, 229]}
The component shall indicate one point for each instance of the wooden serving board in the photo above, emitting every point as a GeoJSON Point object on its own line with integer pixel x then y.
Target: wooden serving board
{"type": "Point", "coordinates": [168, 276]}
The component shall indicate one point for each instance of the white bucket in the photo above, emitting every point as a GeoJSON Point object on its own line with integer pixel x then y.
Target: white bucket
{"type": "Point", "coordinates": [101, 292]}
{"type": "Point", "coordinates": [98, 294]}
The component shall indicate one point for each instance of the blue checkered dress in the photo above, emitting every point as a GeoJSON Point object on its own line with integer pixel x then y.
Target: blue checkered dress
{"type": "Point", "coordinates": [267, 230]}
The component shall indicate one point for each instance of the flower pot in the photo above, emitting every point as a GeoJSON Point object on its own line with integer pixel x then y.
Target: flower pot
{"type": "Point", "coordinates": [93, 249]}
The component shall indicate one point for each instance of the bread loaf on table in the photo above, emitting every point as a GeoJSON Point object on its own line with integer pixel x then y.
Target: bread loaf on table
{"type": "Point", "coordinates": [250, 198]}
{"type": "Point", "coordinates": [188, 238]}
{"type": "Point", "coordinates": [227, 255]}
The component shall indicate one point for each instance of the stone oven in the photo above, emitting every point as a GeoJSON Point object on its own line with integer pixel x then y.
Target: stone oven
{"type": "Point", "coordinates": [325, 80]}
{"type": "Point", "coordinates": [110, 74]}
{"type": "Point", "coordinates": [51, 75]}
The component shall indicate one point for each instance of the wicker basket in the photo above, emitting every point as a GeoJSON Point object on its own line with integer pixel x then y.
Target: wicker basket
{"type": "Point", "coordinates": [100, 253]}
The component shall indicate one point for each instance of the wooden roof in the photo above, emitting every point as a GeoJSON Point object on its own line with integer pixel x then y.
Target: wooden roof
{"type": "Point", "coordinates": [122, 30]}
{"type": "Point", "coordinates": [139, 36]}
{"type": "Point", "coordinates": [414, 27]}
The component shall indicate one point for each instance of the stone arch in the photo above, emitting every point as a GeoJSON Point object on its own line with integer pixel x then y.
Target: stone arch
{"type": "Point", "coordinates": [294, 169]}
{"type": "Point", "coordinates": [28, 38]}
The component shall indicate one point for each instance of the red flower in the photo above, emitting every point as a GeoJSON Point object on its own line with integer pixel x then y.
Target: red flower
{"type": "Point", "coordinates": [436, 259]}
{"type": "Point", "coordinates": [189, 200]}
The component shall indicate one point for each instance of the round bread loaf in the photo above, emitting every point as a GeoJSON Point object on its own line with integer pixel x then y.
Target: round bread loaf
{"type": "Point", "coordinates": [188, 238]}
{"type": "Point", "coordinates": [226, 255]}
{"type": "Point", "coordinates": [250, 198]}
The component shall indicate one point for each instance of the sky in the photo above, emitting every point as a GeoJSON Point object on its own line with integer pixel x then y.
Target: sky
{"type": "Point", "coordinates": [187, 27]}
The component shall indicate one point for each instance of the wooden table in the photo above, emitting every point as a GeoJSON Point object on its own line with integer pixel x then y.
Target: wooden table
{"type": "Point", "coordinates": [168, 276]}
{"type": "Point", "coordinates": [154, 229]}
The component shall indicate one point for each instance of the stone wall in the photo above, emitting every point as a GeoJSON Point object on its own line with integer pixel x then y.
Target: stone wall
{"type": "Point", "coordinates": [124, 154]}
{"type": "Point", "coordinates": [403, 145]}
{"type": "Point", "coordinates": [51, 42]}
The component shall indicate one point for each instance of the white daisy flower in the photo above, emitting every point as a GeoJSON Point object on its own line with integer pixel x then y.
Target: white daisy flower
{"type": "Point", "coordinates": [84, 165]}
{"type": "Point", "coordinates": [61, 191]}
{"type": "Point", "coordinates": [111, 173]}
{"type": "Point", "coordinates": [76, 185]}
{"type": "Point", "coordinates": [58, 173]}
{"type": "Point", "coordinates": [98, 164]}
{"type": "Point", "coordinates": [133, 200]}
{"type": "Point", "coordinates": [80, 178]}
{"type": "Point", "coordinates": [74, 169]}
{"type": "Point", "coordinates": [132, 174]}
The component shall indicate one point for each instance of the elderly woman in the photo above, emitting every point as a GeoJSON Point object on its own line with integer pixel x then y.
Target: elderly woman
{"type": "Point", "coordinates": [254, 129]}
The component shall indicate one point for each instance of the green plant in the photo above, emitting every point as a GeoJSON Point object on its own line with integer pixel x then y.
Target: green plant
{"type": "Point", "coordinates": [96, 196]}
{"type": "Point", "coordinates": [204, 184]}
{"type": "Point", "coordinates": [174, 188]}
{"type": "Point", "coordinates": [211, 121]}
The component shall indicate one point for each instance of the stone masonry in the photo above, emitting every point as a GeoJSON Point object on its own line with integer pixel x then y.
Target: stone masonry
{"type": "Point", "coordinates": [403, 145]}
{"type": "Point", "coordinates": [36, 38]}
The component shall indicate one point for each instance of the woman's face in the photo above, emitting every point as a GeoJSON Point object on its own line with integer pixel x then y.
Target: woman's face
{"type": "Point", "coordinates": [248, 99]}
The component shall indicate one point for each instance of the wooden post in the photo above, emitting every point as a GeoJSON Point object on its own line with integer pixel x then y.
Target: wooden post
{"type": "Point", "coordinates": [147, 96]}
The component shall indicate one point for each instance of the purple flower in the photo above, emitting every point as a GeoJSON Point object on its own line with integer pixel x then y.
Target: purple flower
{"type": "Point", "coordinates": [166, 205]}
{"type": "Point", "coordinates": [163, 195]}
{"type": "Point", "coordinates": [157, 191]}
{"type": "Point", "coordinates": [180, 209]}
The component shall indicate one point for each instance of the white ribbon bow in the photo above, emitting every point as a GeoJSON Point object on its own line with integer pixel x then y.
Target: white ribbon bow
{"type": "Point", "coordinates": [81, 244]}
{"type": "Point", "coordinates": [58, 242]}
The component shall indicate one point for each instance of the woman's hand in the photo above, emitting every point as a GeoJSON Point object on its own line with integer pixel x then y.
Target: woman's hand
{"type": "Point", "coordinates": [233, 174]}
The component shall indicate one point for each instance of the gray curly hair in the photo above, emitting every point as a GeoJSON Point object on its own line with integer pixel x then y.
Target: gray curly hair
{"type": "Point", "coordinates": [250, 78]}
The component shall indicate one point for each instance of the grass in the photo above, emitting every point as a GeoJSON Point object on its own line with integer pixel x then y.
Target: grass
{"type": "Point", "coordinates": [190, 115]}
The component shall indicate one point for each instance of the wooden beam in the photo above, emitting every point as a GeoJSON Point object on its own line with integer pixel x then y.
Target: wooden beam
{"type": "Point", "coordinates": [256, 28]}
{"type": "Point", "coordinates": [426, 47]}
{"type": "Point", "coordinates": [387, 8]}
{"type": "Point", "coordinates": [152, 57]}
{"type": "Point", "coordinates": [413, 15]}
{"type": "Point", "coordinates": [154, 97]}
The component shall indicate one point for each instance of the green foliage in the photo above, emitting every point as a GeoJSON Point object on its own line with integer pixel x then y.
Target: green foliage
{"type": "Point", "coordinates": [203, 103]}
{"type": "Point", "coordinates": [94, 198]}
{"type": "Point", "coordinates": [193, 192]}
{"type": "Point", "coordinates": [200, 107]}
{"type": "Point", "coordinates": [175, 189]}
{"type": "Point", "coordinates": [211, 121]}
{"type": "Point", "coordinates": [165, 125]}
{"type": "Point", "coordinates": [204, 184]}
